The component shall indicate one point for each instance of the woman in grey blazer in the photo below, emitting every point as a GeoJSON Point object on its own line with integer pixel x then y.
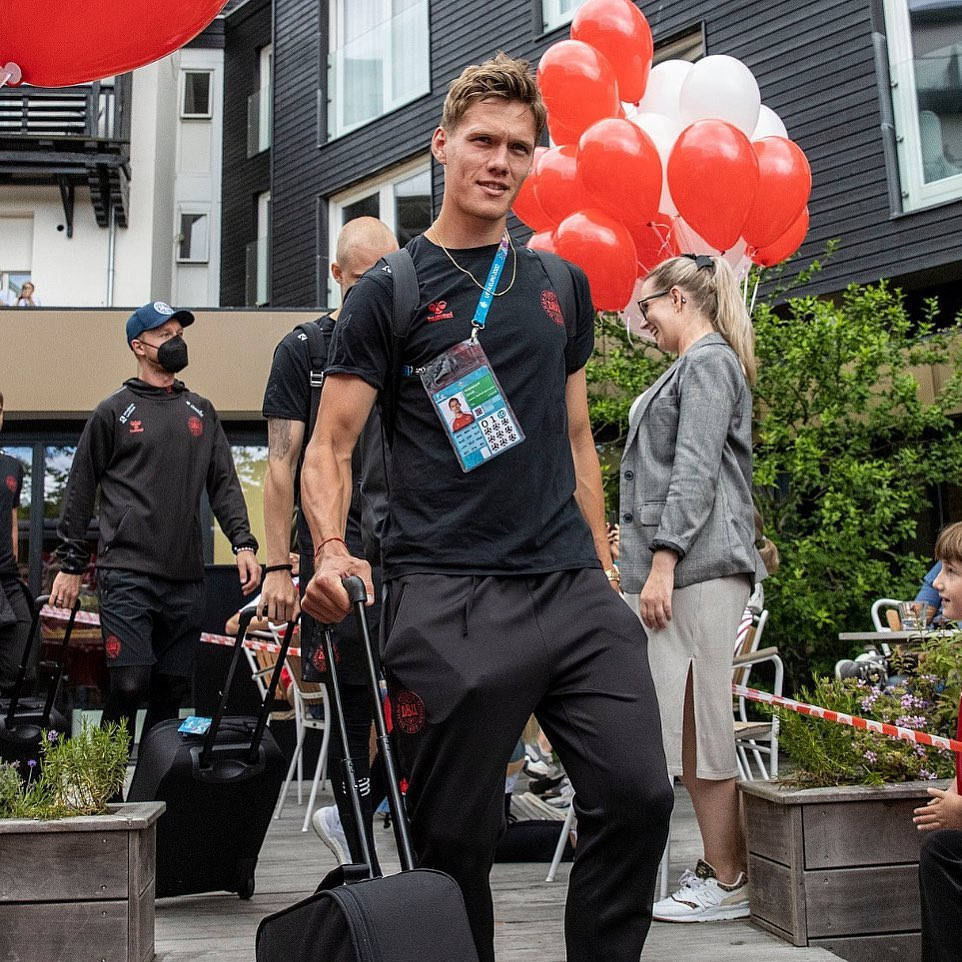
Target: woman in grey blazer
{"type": "Point", "coordinates": [687, 551]}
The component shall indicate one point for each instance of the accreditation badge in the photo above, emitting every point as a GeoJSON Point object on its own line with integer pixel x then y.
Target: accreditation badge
{"type": "Point", "coordinates": [471, 405]}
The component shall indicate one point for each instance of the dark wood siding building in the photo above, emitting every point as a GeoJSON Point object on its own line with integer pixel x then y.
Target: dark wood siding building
{"type": "Point", "coordinates": [822, 66]}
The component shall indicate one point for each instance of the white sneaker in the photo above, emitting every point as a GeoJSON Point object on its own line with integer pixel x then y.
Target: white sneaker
{"type": "Point", "coordinates": [327, 824]}
{"type": "Point", "coordinates": [702, 898]}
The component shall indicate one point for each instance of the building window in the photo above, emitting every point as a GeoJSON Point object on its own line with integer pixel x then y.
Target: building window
{"type": "Point", "coordinates": [260, 105]}
{"type": "Point", "coordinates": [554, 13]}
{"type": "Point", "coordinates": [925, 65]}
{"type": "Point", "coordinates": [687, 44]}
{"type": "Point", "coordinates": [401, 198]}
{"type": "Point", "coordinates": [258, 267]}
{"type": "Point", "coordinates": [250, 462]}
{"type": "Point", "coordinates": [196, 99]}
{"type": "Point", "coordinates": [193, 245]}
{"type": "Point", "coordinates": [378, 59]}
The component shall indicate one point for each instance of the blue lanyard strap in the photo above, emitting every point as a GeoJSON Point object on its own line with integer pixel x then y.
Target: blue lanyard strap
{"type": "Point", "coordinates": [487, 294]}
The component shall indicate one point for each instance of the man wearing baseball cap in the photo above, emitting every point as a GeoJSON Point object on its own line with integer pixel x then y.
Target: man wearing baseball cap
{"type": "Point", "coordinates": [152, 448]}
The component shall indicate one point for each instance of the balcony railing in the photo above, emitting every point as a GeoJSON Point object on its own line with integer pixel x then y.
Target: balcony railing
{"type": "Point", "coordinates": [259, 107]}
{"type": "Point", "coordinates": [89, 112]}
{"type": "Point", "coordinates": [258, 272]}
{"type": "Point", "coordinates": [380, 70]}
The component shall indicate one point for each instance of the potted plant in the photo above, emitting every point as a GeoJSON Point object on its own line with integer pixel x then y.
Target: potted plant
{"type": "Point", "coordinates": [70, 862]}
{"type": "Point", "coordinates": [833, 852]}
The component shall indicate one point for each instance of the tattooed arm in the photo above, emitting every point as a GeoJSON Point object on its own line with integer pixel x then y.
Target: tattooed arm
{"type": "Point", "coordinates": [284, 441]}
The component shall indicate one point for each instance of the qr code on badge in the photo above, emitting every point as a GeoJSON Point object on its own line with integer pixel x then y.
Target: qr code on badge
{"type": "Point", "coordinates": [499, 429]}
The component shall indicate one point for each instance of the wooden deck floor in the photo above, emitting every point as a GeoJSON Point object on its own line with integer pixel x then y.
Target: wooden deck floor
{"type": "Point", "coordinates": [528, 911]}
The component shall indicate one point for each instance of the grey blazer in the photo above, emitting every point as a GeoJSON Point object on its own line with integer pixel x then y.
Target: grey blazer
{"type": "Point", "coordinates": [686, 474]}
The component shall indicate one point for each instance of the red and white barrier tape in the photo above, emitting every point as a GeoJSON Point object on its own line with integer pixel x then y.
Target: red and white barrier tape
{"type": "Point", "coordinates": [866, 724]}
{"type": "Point", "coordinates": [227, 641]}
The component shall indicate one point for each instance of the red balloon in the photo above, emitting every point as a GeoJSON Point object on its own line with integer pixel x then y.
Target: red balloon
{"type": "Point", "coordinates": [557, 186]}
{"type": "Point", "coordinates": [654, 243]}
{"type": "Point", "coordinates": [785, 246]}
{"type": "Point", "coordinates": [83, 40]}
{"type": "Point", "coordinates": [620, 31]}
{"type": "Point", "coordinates": [526, 207]}
{"type": "Point", "coordinates": [602, 247]}
{"type": "Point", "coordinates": [784, 186]}
{"type": "Point", "coordinates": [619, 166]}
{"type": "Point", "coordinates": [543, 241]}
{"type": "Point", "coordinates": [578, 85]}
{"type": "Point", "coordinates": [560, 134]}
{"type": "Point", "coordinates": [713, 177]}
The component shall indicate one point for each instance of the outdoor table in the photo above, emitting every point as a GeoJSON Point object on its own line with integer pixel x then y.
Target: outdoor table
{"type": "Point", "coordinates": [916, 633]}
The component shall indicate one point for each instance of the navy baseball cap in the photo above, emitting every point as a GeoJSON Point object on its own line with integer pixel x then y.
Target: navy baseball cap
{"type": "Point", "coordinates": [152, 315]}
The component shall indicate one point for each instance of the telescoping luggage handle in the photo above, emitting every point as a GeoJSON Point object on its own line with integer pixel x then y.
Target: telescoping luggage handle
{"type": "Point", "coordinates": [246, 616]}
{"type": "Point", "coordinates": [357, 594]}
{"type": "Point", "coordinates": [32, 639]}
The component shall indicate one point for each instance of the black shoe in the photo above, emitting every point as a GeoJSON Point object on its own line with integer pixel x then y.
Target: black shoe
{"type": "Point", "coordinates": [539, 786]}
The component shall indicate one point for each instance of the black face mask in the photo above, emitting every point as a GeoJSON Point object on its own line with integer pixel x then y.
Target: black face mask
{"type": "Point", "coordinates": [172, 355]}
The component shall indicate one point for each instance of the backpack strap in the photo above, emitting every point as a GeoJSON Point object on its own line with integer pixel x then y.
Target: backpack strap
{"type": "Point", "coordinates": [404, 277]}
{"type": "Point", "coordinates": [560, 278]}
{"type": "Point", "coordinates": [318, 334]}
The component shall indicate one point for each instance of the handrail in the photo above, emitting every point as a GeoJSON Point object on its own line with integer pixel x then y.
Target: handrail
{"type": "Point", "coordinates": [91, 111]}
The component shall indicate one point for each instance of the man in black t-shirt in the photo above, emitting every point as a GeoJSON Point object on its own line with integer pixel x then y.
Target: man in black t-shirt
{"type": "Point", "coordinates": [288, 401]}
{"type": "Point", "coordinates": [500, 577]}
{"type": "Point", "coordinates": [14, 610]}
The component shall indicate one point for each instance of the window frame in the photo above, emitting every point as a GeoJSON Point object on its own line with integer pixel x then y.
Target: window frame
{"type": "Point", "coordinates": [383, 184]}
{"type": "Point", "coordinates": [184, 114]}
{"type": "Point", "coordinates": [915, 193]}
{"type": "Point", "coordinates": [196, 210]}
{"type": "Point", "coordinates": [551, 16]}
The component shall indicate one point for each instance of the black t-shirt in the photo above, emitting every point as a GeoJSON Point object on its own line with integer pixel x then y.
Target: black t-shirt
{"type": "Point", "coordinates": [515, 514]}
{"type": "Point", "coordinates": [11, 484]}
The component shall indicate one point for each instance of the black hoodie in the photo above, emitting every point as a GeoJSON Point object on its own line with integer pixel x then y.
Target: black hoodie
{"type": "Point", "coordinates": [152, 451]}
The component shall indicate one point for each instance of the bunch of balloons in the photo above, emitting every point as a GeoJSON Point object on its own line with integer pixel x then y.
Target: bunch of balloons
{"type": "Point", "coordinates": [652, 162]}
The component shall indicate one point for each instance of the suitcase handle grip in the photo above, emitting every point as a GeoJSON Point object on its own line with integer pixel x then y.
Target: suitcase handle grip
{"type": "Point", "coordinates": [356, 592]}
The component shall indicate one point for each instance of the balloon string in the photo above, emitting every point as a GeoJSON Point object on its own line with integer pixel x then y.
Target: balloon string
{"type": "Point", "coordinates": [751, 307]}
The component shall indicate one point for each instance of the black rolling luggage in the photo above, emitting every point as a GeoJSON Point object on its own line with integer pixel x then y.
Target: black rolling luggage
{"type": "Point", "coordinates": [353, 917]}
{"type": "Point", "coordinates": [24, 720]}
{"type": "Point", "coordinates": [220, 789]}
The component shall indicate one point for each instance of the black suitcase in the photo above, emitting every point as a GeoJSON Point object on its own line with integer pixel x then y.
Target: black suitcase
{"type": "Point", "coordinates": [24, 720]}
{"type": "Point", "coordinates": [353, 917]}
{"type": "Point", "coordinates": [220, 790]}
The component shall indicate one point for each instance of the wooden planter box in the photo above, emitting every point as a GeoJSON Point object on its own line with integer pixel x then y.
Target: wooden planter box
{"type": "Point", "coordinates": [79, 888]}
{"type": "Point", "coordinates": [837, 867]}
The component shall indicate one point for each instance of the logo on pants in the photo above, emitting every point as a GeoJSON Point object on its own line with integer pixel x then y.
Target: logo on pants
{"type": "Point", "coordinates": [112, 646]}
{"type": "Point", "coordinates": [409, 713]}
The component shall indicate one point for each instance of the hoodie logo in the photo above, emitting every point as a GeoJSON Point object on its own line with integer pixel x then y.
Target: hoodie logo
{"type": "Point", "coordinates": [136, 427]}
{"type": "Point", "coordinates": [11, 484]}
{"type": "Point", "coordinates": [195, 426]}
{"type": "Point", "coordinates": [437, 311]}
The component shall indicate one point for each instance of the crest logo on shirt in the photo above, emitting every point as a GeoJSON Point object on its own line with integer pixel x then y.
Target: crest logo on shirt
{"type": "Point", "coordinates": [136, 427]}
{"type": "Point", "coordinates": [11, 484]}
{"type": "Point", "coordinates": [195, 426]}
{"type": "Point", "coordinates": [438, 311]}
{"type": "Point", "coordinates": [409, 713]}
{"type": "Point", "coordinates": [112, 646]}
{"type": "Point", "coordinates": [549, 301]}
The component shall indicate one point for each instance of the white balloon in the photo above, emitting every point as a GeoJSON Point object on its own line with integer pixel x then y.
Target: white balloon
{"type": "Point", "coordinates": [664, 132]}
{"type": "Point", "coordinates": [664, 86]}
{"type": "Point", "coordinates": [721, 88]}
{"type": "Point", "coordinates": [769, 124]}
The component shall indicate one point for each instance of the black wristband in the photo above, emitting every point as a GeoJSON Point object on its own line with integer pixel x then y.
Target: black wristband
{"type": "Point", "coordinates": [267, 569]}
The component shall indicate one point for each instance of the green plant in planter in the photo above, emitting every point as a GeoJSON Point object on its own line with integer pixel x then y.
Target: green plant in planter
{"type": "Point", "coordinates": [826, 753]}
{"type": "Point", "coordinates": [78, 775]}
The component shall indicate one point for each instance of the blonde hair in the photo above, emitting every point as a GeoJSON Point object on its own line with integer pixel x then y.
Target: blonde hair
{"type": "Point", "coordinates": [501, 76]}
{"type": "Point", "coordinates": [948, 545]}
{"type": "Point", "coordinates": [714, 292]}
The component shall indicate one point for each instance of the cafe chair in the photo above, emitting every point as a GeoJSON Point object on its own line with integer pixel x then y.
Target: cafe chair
{"type": "Point", "coordinates": [890, 608]}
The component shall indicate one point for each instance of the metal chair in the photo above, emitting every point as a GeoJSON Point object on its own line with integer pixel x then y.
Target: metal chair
{"type": "Point", "coordinates": [892, 620]}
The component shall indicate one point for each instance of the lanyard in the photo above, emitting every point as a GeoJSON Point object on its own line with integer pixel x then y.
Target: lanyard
{"type": "Point", "coordinates": [487, 294]}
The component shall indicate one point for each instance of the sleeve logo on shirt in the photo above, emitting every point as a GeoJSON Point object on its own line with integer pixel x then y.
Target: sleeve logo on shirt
{"type": "Point", "coordinates": [195, 426]}
{"type": "Point", "coordinates": [549, 301]}
{"type": "Point", "coordinates": [11, 484]}
{"type": "Point", "coordinates": [112, 646]}
{"type": "Point", "coordinates": [437, 311]}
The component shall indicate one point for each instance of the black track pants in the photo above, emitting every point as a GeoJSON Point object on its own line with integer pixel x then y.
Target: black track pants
{"type": "Point", "coordinates": [467, 660]}
{"type": "Point", "coordinates": [940, 885]}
